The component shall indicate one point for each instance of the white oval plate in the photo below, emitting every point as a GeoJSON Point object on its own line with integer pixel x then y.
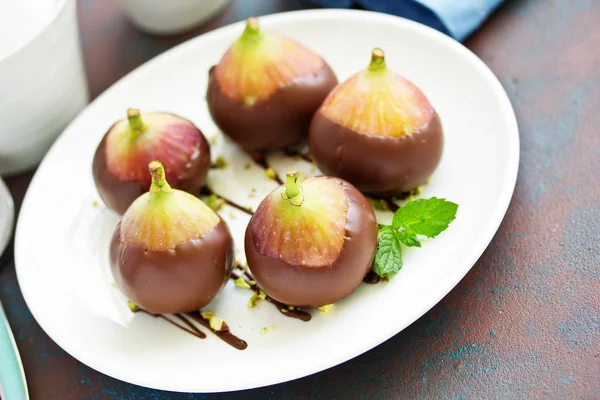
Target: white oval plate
{"type": "Point", "coordinates": [62, 237]}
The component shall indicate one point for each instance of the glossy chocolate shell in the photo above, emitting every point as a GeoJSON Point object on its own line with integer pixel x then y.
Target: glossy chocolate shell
{"type": "Point", "coordinates": [172, 281]}
{"type": "Point", "coordinates": [118, 194]}
{"type": "Point", "coordinates": [277, 122]}
{"type": "Point", "coordinates": [376, 164]}
{"type": "Point", "coordinates": [309, 287]}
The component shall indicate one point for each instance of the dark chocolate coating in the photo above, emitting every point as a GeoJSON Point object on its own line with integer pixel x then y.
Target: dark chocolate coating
{"type": "Point", "coordinates": [310, 287]}
{"type": "Point", "coordinates": [278, 122]}
{"type": "Point", "coordinates": [118, 195]}
{"type": "Point", "coordinates": [172, 281]}
{"type": "Point", "coordinates": [379, 165]}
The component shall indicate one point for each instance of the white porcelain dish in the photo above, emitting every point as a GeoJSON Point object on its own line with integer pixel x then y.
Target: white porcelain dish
{"type": "Point", "coordinates": [42, 88]}
{"type": "Point", "coordinates": [62, 238]}
{"type": "Point", "coordinates": [7, 216]}
{"type": "Point", "coordinates": [161, 17]}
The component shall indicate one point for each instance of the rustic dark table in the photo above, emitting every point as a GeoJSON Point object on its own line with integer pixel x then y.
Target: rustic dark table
{"type": "Point", "coordinates": [524, 323]}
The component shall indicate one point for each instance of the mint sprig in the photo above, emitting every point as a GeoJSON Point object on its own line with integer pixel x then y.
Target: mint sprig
{"type": "Point", "coordinates": [388, 257]}
{"type": "Point", "coordinates": [422, 217]}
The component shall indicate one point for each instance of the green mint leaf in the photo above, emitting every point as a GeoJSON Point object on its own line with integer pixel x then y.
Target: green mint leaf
{"type": "Point", "coordinates": [409, 240]}
{"type": "Point", "coordinates": [427, 217]}
{"type": "Point", "coordinates": [388, 257]}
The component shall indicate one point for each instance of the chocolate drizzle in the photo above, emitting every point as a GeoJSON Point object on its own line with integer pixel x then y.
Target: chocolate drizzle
{"type": "Point", "coordinates": [295, 153]}
{"type": "Point", "coordinates": [385, 203]}
{"type": "Point", "coordinates": [185, 324]}
{"type": "Point", "coordinates": [290, 312]}
{"type": "Point", "coordinates": [192, 328]}
{"type": "Point", "coordinates": [371, 278]}
{"type": "Point", "coordinates": [208, 191]}
{"type": "Point", "coordinates": [224, 335]}
{"type": "Point", "coordinates": [260, 158]}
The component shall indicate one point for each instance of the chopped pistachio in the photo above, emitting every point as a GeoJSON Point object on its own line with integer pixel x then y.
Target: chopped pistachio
{"type": "Point", "coordinates": [378, 204]}
{"type": "Point", "coordinates": [216, 323]}
{"type": "Point", "coordinates": [114, 284]}
{"type": "Point", "coordinates": [284, 310]}
{"type": "Point", "coordinates": [252, 283]}
{"type": "Point", "coordinates": [266, 329]}
{"type": "Point", "coordinates": [414, 193]}
{"type": "Point", "coordinates": [213, 139]}
{"type": "Point", "coordinates": [220, 162]}
{"type": "Point", "coordinates": [241, 283]}
{"type": "Point", "coordinates": [260, 295]}
{"type": "Point", "coordinates": [95, 203]}
{"type": "Point", "coordinates": [215, 202]}
{"type": "Point", "coordinates": [232, 215]}
{"type": "Point", "coordinates": [132, 306]}
{"type": "Point", "coordinates": [325, 308]}
{"type": "Point", "coordinates": [247, 166]}
{"type": "Point", "coordinates": [271, 174]}
{"type": "Point", "coordinates": [253, 190]}
{"type": "Point", "coordinates": [253, 300]}
{"type": "Point", "coordinates": [292, 308]}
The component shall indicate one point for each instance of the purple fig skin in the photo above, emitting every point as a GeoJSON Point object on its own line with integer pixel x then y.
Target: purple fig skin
{"type": "Point", "coordinates": [276, 123]}
{"type": "Point", "coordinates": [384, 166]}
{"type": "Point", "coordinates": [184, 279]}
{"type": "Point", "coordinates": [118, 194]}
{"type": "Point", "coordinates": [310, 287]}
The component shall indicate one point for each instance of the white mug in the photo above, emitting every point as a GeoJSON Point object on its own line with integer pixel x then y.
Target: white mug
{"type": "Point", "coordinates": [166, 17]}
{"type": "Point", "coordinates": [42, 88]}
{"type": "Point", "coordinates": [7, 214]}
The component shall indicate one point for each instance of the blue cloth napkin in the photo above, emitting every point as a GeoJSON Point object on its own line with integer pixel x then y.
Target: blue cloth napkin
{"type": "Point", "coordinates": [457, 18]}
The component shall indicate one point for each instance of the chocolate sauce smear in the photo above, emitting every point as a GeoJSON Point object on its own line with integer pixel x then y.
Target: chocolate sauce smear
{"type": "Point", "coordinates": [283, 309]}
{"type": "Point", "coordinates": [184, 322]}
{"type": "Point", "coordinates": [294, 153]}
{"type": "Point", "coordinates": [192, 328]}
{"type": "Point", "coordinates": [208, 191]}
{"type": "Point", "coordinates": [387, 203]}
{"type": "Point", "coordinates": [371, 278]}
{"type": "Point", "coordinates": [260, 158]}
{"type": "Point", "coordinates": [225, 335]}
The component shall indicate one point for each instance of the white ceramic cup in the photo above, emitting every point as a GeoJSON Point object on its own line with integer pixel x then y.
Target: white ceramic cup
{"type": "Point", "coordinates": [42, 88]}
{"type": "Point", "coordinates": [7, 214]}
{"type": "Point", "coordinates": [166, 17]}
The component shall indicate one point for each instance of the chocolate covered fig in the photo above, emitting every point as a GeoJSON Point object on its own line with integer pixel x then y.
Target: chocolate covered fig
{"type": "Point", "coordinates": [378, 131]}
{"type": "Point", "coordinates": [311, 242]}
{"type": "Point", "coordinates": [120, 166]}
{"type": "Point", "coordinates": [265, 89]}
{"type": "Point", "coordinates": [170, 252]}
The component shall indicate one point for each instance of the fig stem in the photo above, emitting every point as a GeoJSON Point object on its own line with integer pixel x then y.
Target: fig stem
{"type": "Point", "coordinates": [293, 185]}
{"type": "Point", "coordinates": [159, 182]}
{"type": "Point", "coordinates": [136, 124]}
{"type": "Point", "coordinates": [252, 26]}
{"type": "Point", "coordinates": [377, 60]}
